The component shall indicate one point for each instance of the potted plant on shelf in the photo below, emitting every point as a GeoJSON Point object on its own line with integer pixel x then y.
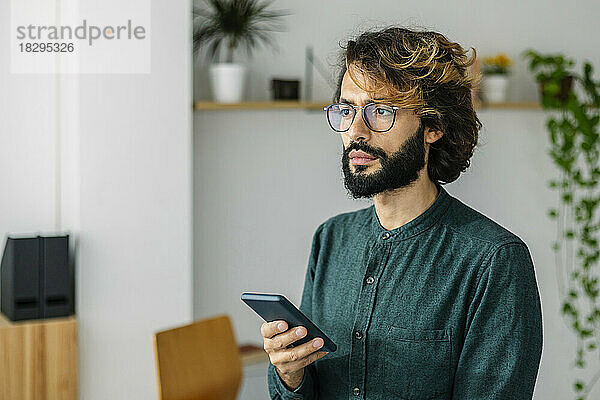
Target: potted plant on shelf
{"type": "Point", "coordinates": [552, 74]}
{"type": "Point", "coordinates": [226, 25]}
{"type": "Point", "coordinates": [495, 81]}
{"type": "Point", "coordinates": [574, 132]}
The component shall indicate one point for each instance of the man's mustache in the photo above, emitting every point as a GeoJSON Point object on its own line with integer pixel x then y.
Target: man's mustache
{"type": "Point", "coordinates": [362, 146]}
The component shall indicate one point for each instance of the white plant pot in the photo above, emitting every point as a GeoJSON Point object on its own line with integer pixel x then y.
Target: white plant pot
{"type": "Point", "coordinates": [495, 88]}
{"type": "Point", "coordinates": [227, 80]}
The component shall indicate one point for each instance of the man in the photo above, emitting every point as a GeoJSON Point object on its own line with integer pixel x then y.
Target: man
{"type": "Point", "coordinates": [425, 297]}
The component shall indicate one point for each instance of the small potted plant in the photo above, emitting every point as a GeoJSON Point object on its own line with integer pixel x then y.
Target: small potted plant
{"type": "Point", "coordinates": [226, 25]}
{"type": "Point", "coordinates": [553, 74]}
{"type": "Point", "coordinates": [495, 82]}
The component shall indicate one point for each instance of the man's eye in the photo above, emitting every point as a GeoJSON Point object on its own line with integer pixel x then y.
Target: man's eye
{"type": "Point", "coordinates": [345, 112]}
{"type": "Point", "coordinates": [383, 111]}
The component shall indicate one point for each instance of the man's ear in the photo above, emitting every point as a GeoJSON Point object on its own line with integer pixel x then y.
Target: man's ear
{"type": "Point", "coordinates": [432, 135]}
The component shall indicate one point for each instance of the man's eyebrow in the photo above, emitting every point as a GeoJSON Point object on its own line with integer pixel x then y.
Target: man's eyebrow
{"type": "Point", "coordinates": [367, 101]}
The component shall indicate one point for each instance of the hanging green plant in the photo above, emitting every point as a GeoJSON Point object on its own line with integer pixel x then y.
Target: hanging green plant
{"type": "Point", "coordinates": [573, 102]}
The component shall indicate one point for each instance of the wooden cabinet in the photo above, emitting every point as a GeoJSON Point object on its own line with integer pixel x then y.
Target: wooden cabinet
{"type": "Point", "coordinates": [38, 359]}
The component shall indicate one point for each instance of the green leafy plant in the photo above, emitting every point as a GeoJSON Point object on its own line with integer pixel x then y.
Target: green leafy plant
{"type": "Point", "coordinates": [232, 23]}
{"type": "Point", "coordinates": [575, 146]}
{"type": "Point", "coordinates": [554, 75]}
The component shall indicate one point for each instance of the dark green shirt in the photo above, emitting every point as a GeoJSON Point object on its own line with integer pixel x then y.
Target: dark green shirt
{"type": "Point", "coordinates": [444, 307]}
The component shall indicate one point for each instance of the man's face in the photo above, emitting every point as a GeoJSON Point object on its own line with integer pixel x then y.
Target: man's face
{"type": "Point", "coordinates": [393, 159]}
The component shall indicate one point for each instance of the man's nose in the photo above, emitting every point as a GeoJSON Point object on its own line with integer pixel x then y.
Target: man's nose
{"type": "Point", "coordinates": [359, 130]}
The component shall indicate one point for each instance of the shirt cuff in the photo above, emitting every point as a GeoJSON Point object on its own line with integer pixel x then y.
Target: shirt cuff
{"type": "Point", "coordinates": [278, 390]}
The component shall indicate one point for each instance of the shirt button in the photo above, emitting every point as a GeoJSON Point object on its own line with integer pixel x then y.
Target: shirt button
{"type": "Point", "coordinates": [370, 280]}
{"type": "Point", "coordinates": [358, 335]}
{"type": "Point", "coordinates": [385, 235]}
{"type": "Point", "coordinates": [356, 391]}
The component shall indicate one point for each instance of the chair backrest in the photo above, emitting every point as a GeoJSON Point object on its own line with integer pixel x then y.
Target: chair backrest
{"type": "Point", "coordinates": [199, 361]}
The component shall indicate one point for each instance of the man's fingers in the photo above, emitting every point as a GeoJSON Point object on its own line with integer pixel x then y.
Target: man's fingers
{"type": "Point", "coordinates": [270, 329]}
{"type": "Point", "coordinates": [283, 340]}
{"type": "Point", "coordinates": [299, 352]}
{"type": "Point", "coordinates": [303, 350]}
{"type": "Point", "coordinates": [312, 358]}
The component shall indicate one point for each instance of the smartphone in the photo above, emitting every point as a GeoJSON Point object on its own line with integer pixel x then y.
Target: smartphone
{"type": "Point", "coordinates": [274, 307]}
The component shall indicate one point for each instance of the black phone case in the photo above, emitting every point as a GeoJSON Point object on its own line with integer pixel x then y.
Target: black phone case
{"type": "Point", "coordinates": [273, 307]}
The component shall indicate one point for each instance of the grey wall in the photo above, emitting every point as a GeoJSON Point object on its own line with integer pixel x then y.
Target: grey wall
{"type": "Point", "coordinates": [509, 26]}
{"type": "Point", "coordinates": [264, 180]}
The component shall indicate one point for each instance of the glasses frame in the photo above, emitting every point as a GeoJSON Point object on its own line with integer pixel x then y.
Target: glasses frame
{"type": "Point", "coordinates": [362, 113]}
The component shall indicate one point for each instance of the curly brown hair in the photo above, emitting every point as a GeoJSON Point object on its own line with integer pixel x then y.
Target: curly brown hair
{"type": "Point", "coordinates": [428, 73]}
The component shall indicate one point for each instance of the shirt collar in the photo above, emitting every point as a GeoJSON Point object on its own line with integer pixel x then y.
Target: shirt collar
{"type": "Point", "coordinates": [422, 222]}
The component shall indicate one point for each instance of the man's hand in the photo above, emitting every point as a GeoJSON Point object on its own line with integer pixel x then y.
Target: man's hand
{"type": "Point", "coordinates": [289, 363]}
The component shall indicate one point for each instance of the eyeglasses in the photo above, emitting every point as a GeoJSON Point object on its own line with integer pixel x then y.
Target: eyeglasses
{"type": "Point", "coordinates": [377, 117]}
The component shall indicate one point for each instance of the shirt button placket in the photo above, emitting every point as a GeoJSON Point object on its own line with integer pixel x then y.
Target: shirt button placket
{"type": "Point", "coordinates": [365, 305]}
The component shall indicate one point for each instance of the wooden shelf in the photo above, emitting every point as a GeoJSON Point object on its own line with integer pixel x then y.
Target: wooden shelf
{"type": "Point", "coordinates": [317, 106]}
{"type": "Point", "coordinates": [509, 106]}
{"type": "Point", "coordinates": [259, 105]}
{"type": "Point", "coordinates": [252, 354]}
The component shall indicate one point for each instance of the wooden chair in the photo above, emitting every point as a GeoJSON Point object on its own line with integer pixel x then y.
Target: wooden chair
{"type": "Point", "coordinates": [199, 361]}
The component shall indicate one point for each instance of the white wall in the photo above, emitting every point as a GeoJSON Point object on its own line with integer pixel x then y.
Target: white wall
{"type": "Point", "coordinates": [135, 253]}
{"type": "Point", "coordinates": [27, 145]}
{"type": "Point", "coordinates": [108, 158]}
{"type": "Point", "coordinates": [264, 180]}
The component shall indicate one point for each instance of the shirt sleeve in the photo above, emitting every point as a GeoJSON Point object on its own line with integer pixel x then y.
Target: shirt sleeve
{"type": "Point", "coordinates": [503, 337]}
{"type": "Point", "coordinates": [308, 388]}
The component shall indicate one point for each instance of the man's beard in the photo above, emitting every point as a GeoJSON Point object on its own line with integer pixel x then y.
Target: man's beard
{"type": "Point", "coordinates": [397, 171]}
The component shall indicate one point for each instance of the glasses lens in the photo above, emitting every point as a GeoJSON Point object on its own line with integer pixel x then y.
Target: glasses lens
{"type": "Point", "coordinates": [340, 116]}
{"type": "Point", "coordinates": [379, 116]}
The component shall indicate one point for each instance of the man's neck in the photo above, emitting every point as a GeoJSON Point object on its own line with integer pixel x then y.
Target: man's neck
{"type": "Point", "coordinates": [398, 207]}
